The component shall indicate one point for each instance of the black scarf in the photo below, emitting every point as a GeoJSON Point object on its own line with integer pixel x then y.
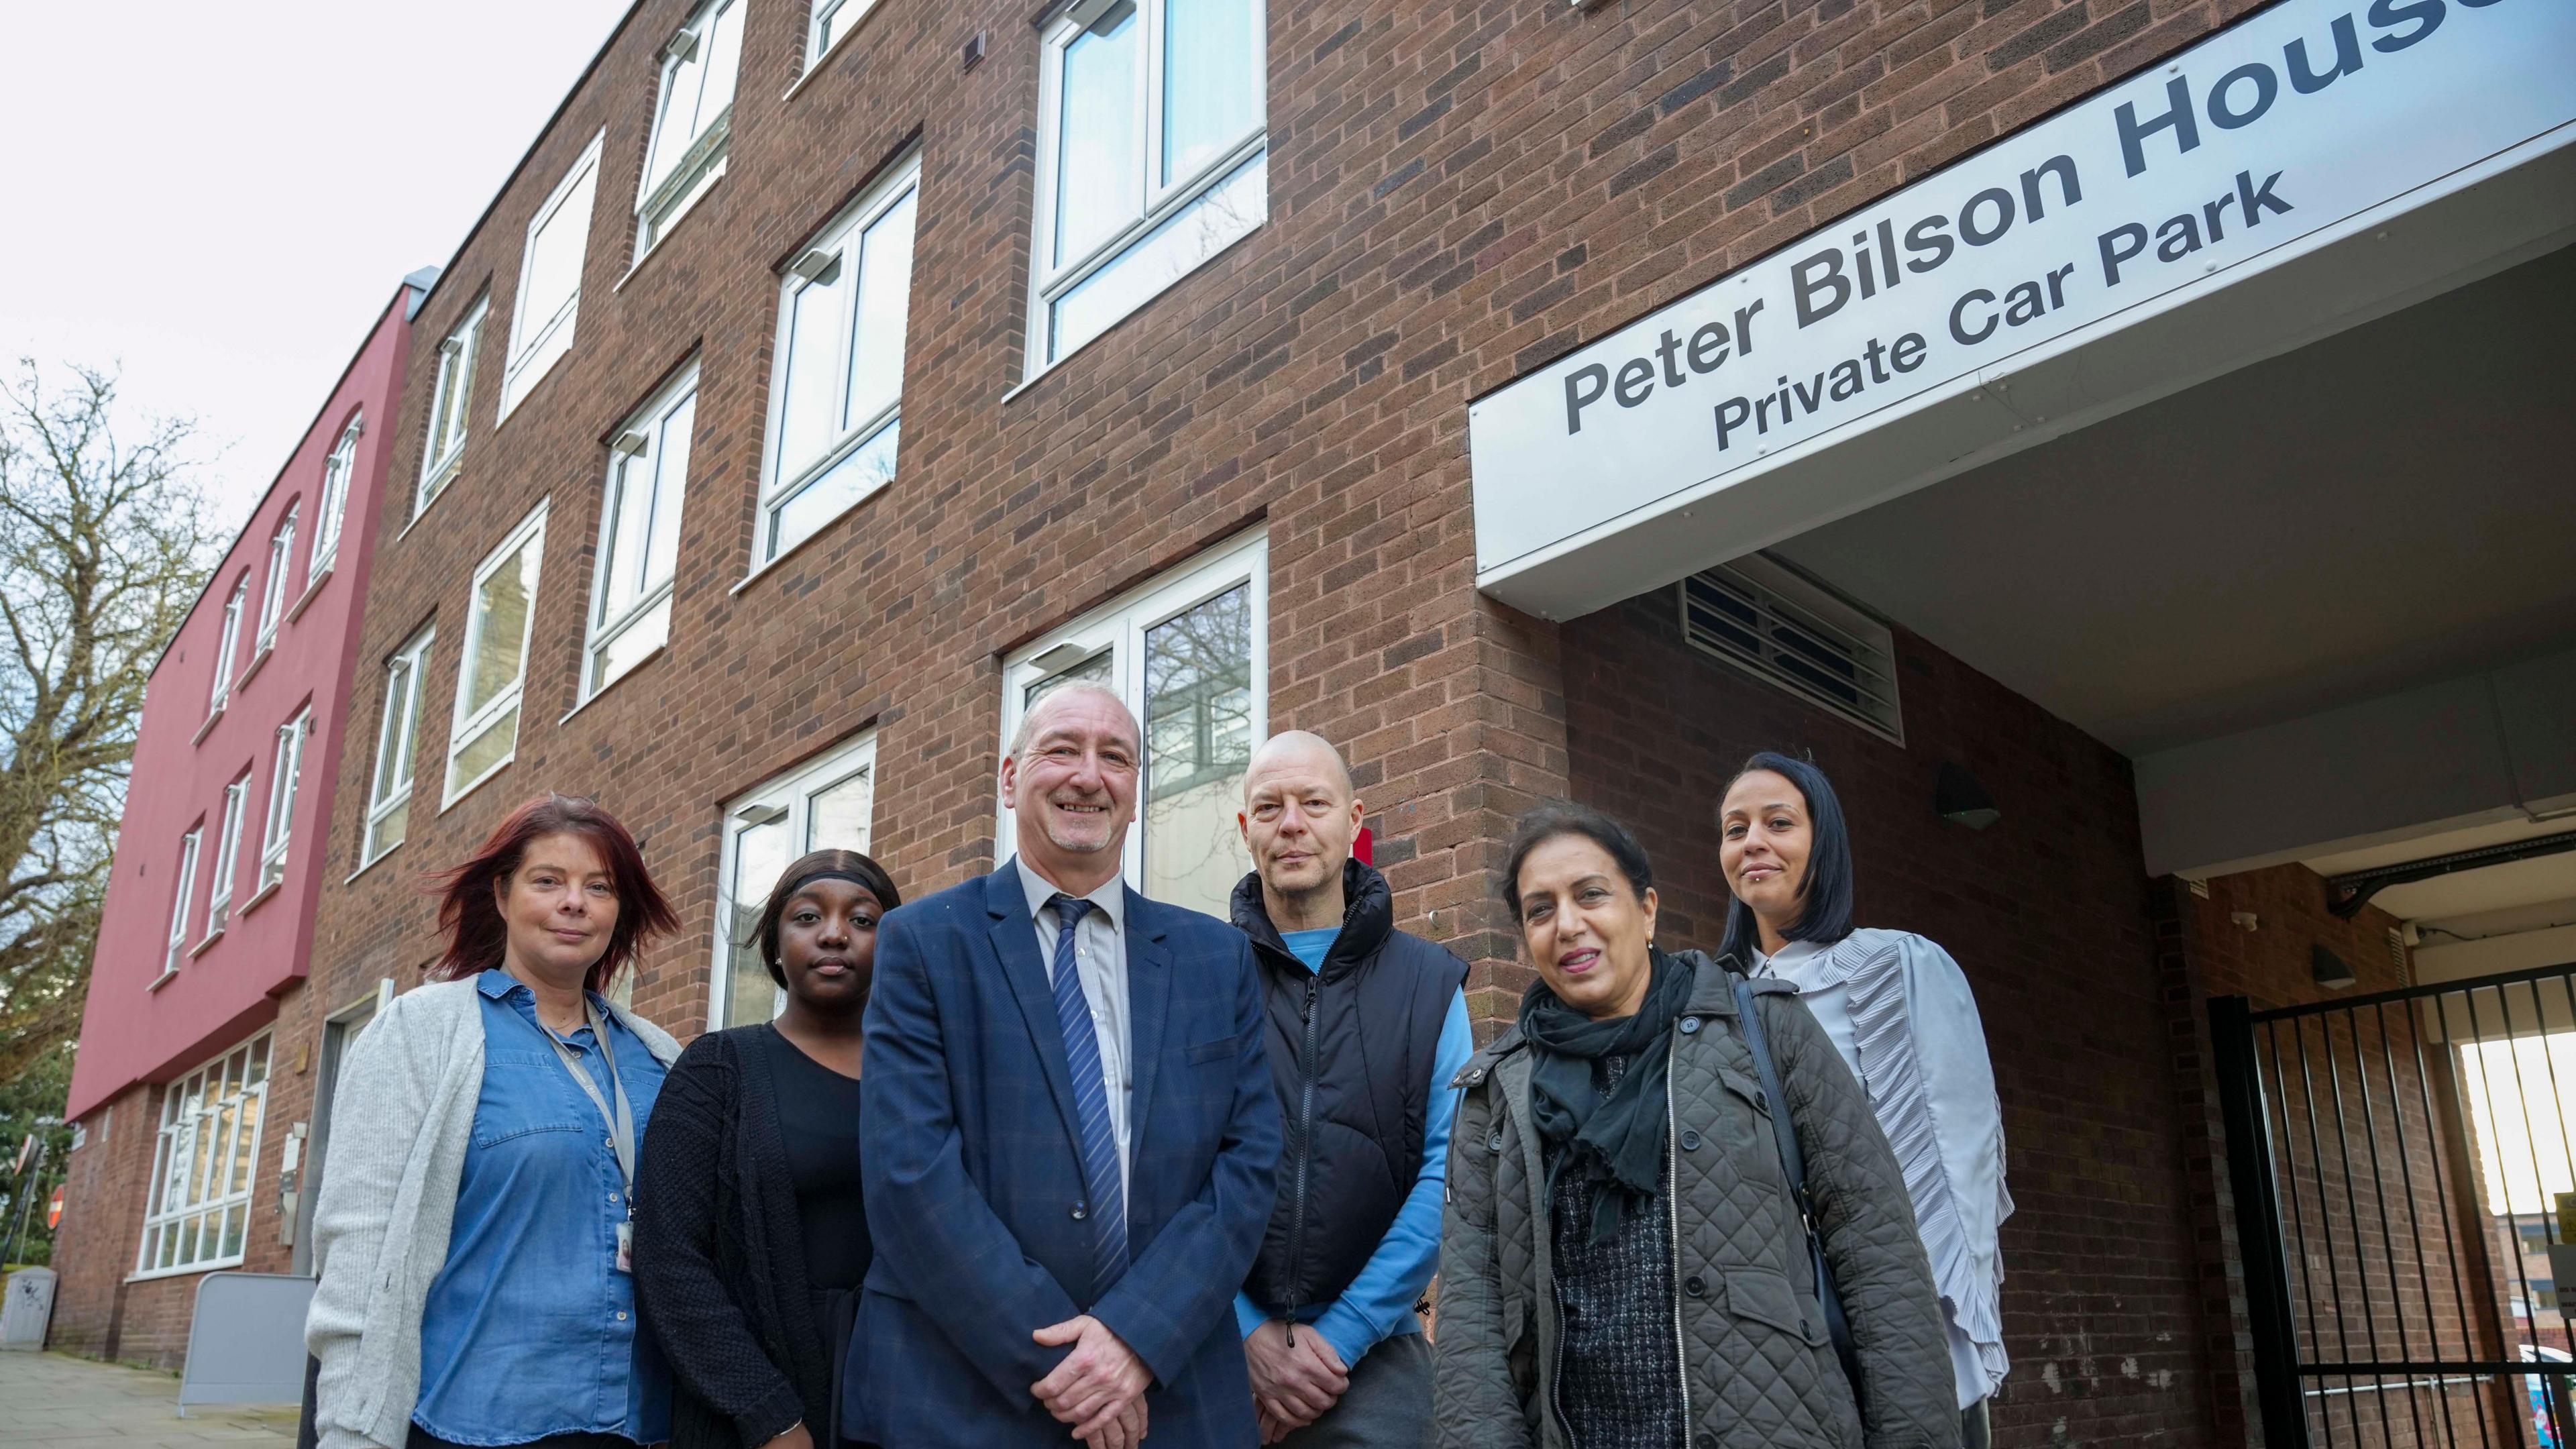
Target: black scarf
{"type": "Point", "coordinates": [1613, 1145]}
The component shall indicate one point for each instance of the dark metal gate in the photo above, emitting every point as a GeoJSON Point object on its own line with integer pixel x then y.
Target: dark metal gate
{"type": "Point", "coordinates": [2395, 1160]}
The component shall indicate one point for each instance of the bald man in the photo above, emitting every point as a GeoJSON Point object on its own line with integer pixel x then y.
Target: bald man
{"type": "Point", "coordinates": [1366, 1027]}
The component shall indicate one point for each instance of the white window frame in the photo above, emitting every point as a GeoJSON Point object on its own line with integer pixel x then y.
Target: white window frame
{"type": "Point", "coordinates": [182, 1158]}
{"type": "Point", "coordinates": [530, 533]}
{"type": "Point", "coordinates": [398, 726]}
{"type": "Point", "coordinates": [702, 156]}
{"type": "Point", "coordinates": [827, 24]}
{"type": "Point", "coordinates": [337, 472]}
{"type": "Point", "coordinates": [189, 845]}
{"type": "Point", "coordinates": [786, 797]}
{"type": "Point", "coordinates": [1164, 202]}
{"type": "Point", "coordinates": [272, 595]}
{"type": "Point", "coordinates": [451, 403]}
{"type": "Point", "coordinates": [782, 478]}
{"type": "Point", "coordinates": [1120, 628]}
{"type": "Point", "coordinates": [228, 645]}
{"type": "Point", "coordinates": [277, 833]}
{"type": "Point", "coordinates": [538, 343]}
{"type": "Point", "coordinates": [635, 461]}
{"type": "Point", "coordinates": [219, 898]}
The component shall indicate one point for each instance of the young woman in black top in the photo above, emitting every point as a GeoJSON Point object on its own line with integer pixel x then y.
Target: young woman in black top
{"type": "Point", "coordinates": [751, 1237]}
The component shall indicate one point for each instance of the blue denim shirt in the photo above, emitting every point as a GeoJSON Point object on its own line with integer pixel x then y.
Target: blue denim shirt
{"type": "Point", "coordinates": [1379, 1303]}
{"type": "Point", "coordinates": [529, 1329]}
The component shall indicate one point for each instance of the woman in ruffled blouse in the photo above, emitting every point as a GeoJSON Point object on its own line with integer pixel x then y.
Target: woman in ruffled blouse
{"type": "Point", "coordinates": [1900, 1011]}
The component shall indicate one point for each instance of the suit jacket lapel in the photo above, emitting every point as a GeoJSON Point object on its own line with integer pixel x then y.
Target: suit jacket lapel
{"type": "Point", "coordinates": [1014, 936]}
{"type": "Point", "coordinates": [1149, 999]}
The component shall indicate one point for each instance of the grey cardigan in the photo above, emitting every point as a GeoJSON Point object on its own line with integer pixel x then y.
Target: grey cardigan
{"type": "Point", "coordinates": [401, 1119]}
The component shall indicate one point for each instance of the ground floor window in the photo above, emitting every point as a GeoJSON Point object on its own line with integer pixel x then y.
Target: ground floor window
{"type": "Point", "coordinates": [826, 803]}
{"type": "Point", "coordinates": [1189, 653]}
{"type": "Point", "coordinates": [203, 1164]}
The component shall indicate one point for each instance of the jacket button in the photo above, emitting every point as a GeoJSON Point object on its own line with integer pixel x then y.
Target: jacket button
{"type": "Point", "coordinates": [1080, 1212]}
{"type": "Point", "coordinates": [1806, 1329]}
{"type": "Point", "coordinates": [1706, 1441]}
{"type": "Point", "coordinates": [1494, 1143]}
{"type": "Point", "coordinates": [1690, 1024]}
{"type": "Point", "coordinates": [1695, 1286]}
{"type": "Point", "coordinates": [1690, 1142]}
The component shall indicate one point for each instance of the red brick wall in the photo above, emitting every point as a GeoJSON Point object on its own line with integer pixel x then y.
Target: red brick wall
{"type": "Point", "coordinates": [2045, 912]}
{"type": "Point", "coordinates": [102, 1221]}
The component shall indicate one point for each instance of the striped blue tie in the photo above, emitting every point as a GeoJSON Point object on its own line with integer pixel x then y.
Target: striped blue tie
{"type": "Point", "coordinates": [1100, 1169]}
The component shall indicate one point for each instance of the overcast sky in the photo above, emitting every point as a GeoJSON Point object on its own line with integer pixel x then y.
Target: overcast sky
{"type": "Point", "coordinates": [218, 198]}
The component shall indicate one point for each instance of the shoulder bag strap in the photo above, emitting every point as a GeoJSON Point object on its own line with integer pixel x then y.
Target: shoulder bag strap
{"type": "Point", "coordinates": [1785, 1132]}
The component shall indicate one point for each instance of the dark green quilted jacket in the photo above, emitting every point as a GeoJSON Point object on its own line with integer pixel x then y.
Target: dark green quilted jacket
{"type": "Point", "coordinates": [1757, 1365]}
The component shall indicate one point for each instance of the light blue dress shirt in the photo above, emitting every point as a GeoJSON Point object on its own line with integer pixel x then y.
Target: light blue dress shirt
{"type": "Point", "coordinates": [1379, 1303]}
{"type": "Point", "coordinates": [529, 1329]}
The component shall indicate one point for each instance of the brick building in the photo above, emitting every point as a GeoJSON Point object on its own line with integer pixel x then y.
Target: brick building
{"type": "Point", "coordinates": [825, 380]}
{"type": "Point", "coordinates": [178, 1165]}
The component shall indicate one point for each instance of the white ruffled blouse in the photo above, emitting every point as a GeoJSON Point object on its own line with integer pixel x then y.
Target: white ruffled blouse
{"type": "Point", "coordinates": [1900, 1012]}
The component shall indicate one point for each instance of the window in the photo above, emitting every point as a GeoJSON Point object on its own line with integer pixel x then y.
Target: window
{"type": "Point", "coordinates": [397, 734]}
{"type": "Point", "coordinates": [550, 280]}
{"type": "Point", "coordinates": [838, 388]}
{"type": "Point", "coordinates": [692, 119]}
{"type": "Point", "coordinates": [639, 536]}
{"type": "Point", "coordinates": [1774, 625]}
{"type": "Point", "coordinates": [187, 884]}
{"type": "Point", "coordinates": [272, 596]}
{"type": "Point", "coordinates": [336, 472]}
{"type": "Point", "coordinates": [227, 645]}
{"type": "Point", "coordinates": [448, 403]}
{"type": "Point", "coordinates": [832, 22]}
{"type": "Point", "coordinates": [825, 804]}
{"type": "Point", "coordinates": [1189, 654]}
{"type": "Point", "coordinates": [219, 904]}
{"type": "Point", "coordinates": [199, 1207]}
{"type": "Point", "coordinates": [1153, 156]}
{"type": "Point", "coordinates": [281, 798]}
{"type": "Point", "coordinates": [494, 663]}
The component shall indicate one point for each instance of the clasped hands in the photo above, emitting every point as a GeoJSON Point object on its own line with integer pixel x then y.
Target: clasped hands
{"type": "Point", "coordinates": [1099, 1388]}
{"type": "Point", "coordinates": [1296, 1377]}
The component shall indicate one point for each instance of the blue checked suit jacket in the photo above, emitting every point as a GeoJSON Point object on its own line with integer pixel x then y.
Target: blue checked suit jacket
{"type": "Point", "coordinates": [971, 1156]}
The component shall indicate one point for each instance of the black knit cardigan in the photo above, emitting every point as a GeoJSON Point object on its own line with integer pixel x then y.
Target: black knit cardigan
{"type": "Point", "coordinates": [720, 1257]}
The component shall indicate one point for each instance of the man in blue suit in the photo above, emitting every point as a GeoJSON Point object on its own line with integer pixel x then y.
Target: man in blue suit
{"type": "Point", "coordinates": [1067, 1133]}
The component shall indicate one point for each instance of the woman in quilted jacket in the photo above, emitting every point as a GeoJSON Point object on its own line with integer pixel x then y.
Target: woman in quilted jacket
{"type": "Point", "coordinates": [1624, 1263]}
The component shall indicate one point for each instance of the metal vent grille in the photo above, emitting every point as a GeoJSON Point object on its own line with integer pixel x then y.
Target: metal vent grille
{"type": "Point", "coordinates": [1781, 629]}
{"type": "Point", "coordinates": [2397, 951]}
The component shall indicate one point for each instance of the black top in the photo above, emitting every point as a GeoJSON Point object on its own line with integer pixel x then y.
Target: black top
{"type": "Point", "coordinates": [1351, 1051]}
{"type": "Point", "coordinates": [818, 1122]}
{"type": "Point", "coordinates": [1620, 1385]}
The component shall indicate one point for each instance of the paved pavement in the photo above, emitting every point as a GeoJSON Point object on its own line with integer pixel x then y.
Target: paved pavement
{"type": "Point", "coordinates": [53, 1399]}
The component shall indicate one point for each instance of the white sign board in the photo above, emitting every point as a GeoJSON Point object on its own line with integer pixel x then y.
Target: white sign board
{"type": "Point", "coordinates": [2283, 125]}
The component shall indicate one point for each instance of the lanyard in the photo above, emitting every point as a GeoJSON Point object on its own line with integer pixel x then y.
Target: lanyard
{"type": "Point", "coordinates": [621, 1122]}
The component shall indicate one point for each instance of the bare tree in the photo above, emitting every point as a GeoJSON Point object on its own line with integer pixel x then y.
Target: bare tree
{"type": "Point", "coordinates": [103, 547]}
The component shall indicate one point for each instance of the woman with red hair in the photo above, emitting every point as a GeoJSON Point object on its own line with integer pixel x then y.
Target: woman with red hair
{"type": "Point", "coordinates": [474, 1233]}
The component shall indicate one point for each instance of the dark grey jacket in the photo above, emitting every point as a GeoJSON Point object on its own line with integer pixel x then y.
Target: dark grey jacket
{"type": "Point", "coordinates": [1758, 1368]}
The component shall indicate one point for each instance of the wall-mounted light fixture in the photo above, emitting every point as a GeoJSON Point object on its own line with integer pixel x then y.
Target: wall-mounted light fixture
{"type": "Point", "coordinates": [1961, 798]}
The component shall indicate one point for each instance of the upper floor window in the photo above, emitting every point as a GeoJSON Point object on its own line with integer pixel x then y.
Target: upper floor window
{"type": "Point", "coordinates": [327, 514]}
{"type": "Point", "coordinates": [692, 119]}
{"type": "Point", "coordinates": [1153, 156]}
{"type": "Point", "coordinates": [1189, 654]}
{"type": "Point", "coordinates": [639, 536]}
{"type": "Point", "coordinates": [187, 884]}
{"type": "Point", "coordinates": [837, 389]}
{"type": "Point", "coordinates": [830, 23]}
{"type": "Point", "coordinates": [272, 595]}
{"type": "Point", "coordinates": [827, 803]}
{"type": "Point", "coordinates": [397, 735]}
{"type": "Point", "coordinates": [227, 644]}
{"type": "Point", "coordinates": [198, 1212]}
{"type": "Point", "coordinates": [550, 279]}
{"type": "Point", "coordinates": [494, 663]}
{"type": "Point", "coordinates": [448, 402]}
{"type": "Point", "coordinates": [219, 900]}
{"type": "Point", "coordinates": [281, 798]}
